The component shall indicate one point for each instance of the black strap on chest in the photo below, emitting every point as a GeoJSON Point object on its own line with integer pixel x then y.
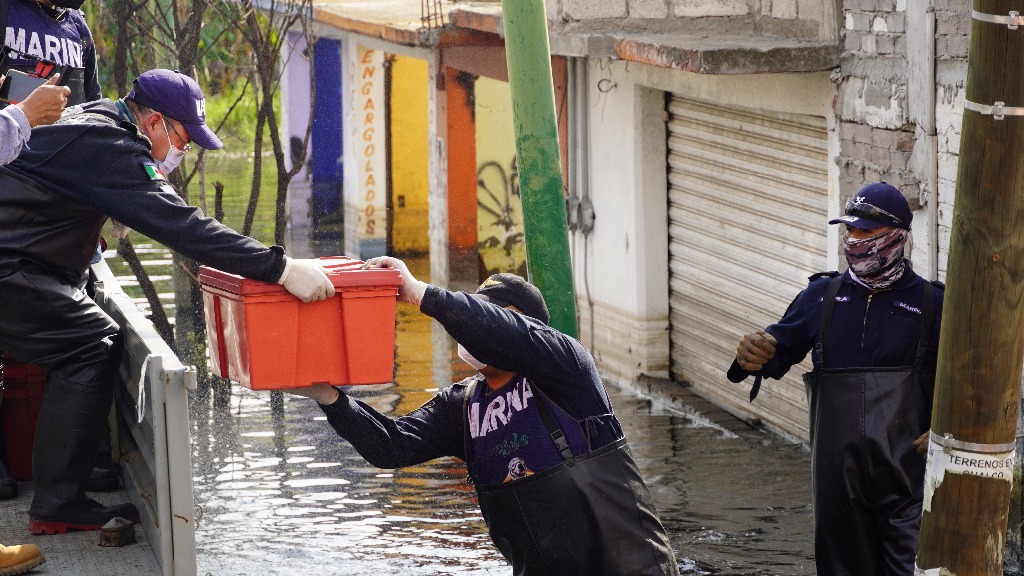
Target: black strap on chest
{"type": "Point", "coordinates": [467, 440]}
{"type": "Point", "coordinates": [554, 430]}
{"type": "Point", "coordinates": [828, 305]}
{"type": "Point", "coordinates": [927, 324]}
{"type": "Point", "coordinates": [917, 354]}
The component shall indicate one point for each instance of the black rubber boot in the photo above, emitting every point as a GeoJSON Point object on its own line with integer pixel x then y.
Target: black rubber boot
{"type": "Point", "coordinates": [71, 419]}
{"type": "Point", "coordinates": [85, 514]}
{"type": "Point", "coordinates": [8, 485]}
{"type": "Point", "coordinates": [106, 475]}
{"type": "Point", "coordinates": [103, 478]}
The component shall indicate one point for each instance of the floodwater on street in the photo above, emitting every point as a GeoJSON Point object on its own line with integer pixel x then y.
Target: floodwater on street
{"type": "Point", "coordinates": [282, 494]}
{"type": "Point", "coordinates": [279, 493]}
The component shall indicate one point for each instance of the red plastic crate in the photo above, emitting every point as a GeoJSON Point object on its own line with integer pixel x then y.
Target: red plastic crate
{"type": "Point", "coordinates": [23, 396]}
{"type": "Point", "coordinates": [266, 339]}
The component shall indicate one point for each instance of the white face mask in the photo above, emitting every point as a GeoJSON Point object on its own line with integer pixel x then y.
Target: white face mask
{"type": "Point", "coordinates": [468, 359]}
{"type": "Point", "coordinates": [174, 154]}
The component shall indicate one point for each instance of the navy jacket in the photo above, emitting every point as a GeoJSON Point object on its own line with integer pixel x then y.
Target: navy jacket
{"type": "Point", "coordinates": [97, 161]}
{"type": "Point", "coordinates": [555, 363]}
{"type": "Point", "coordinates": [869, 329]}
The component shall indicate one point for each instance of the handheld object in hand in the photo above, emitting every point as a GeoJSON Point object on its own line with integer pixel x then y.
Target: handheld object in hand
{"type": "Point", "coordinates": [19, 85]}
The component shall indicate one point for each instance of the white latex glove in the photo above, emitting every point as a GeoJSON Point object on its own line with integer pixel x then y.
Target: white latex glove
{"type": "Point", "coordinates": [322, 393]}
{"type": "Point", "coordinates": [306, 280]}
{"type": "Point", "coordinates": [411, 290]}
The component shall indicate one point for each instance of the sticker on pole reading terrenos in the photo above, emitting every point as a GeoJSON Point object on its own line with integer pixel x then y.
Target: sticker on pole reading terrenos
{"type": "Point", "coordinates": [945, 459]}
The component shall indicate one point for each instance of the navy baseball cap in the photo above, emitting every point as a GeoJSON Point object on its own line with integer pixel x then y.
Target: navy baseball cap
{"type": "Point", "coordinates": [178, 97]}
{"type": "Point", "coordinates": [875, 206]}
{"type": "Point", "coordinates": [506, 289]}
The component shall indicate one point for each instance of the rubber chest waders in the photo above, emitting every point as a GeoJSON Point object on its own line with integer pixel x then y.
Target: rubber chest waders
{"type": "Point", "coordinates": [591, 514]}
{"type": "Point", "coordinates": [867, 477]}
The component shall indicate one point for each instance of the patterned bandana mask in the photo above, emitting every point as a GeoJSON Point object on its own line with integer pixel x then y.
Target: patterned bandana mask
{"type": "Point", "coordinates": [877, 261]}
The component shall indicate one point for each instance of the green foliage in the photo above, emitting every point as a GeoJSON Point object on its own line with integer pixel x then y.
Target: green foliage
{"type": "Point", "coordinates": [224, 65]}
{"type": "Point", "coordinates": [239, 128]}
{"type": "Point", "coordinates": [224, 57]}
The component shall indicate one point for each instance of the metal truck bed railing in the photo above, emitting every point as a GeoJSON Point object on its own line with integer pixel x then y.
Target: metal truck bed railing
{"type": "Point", "coordinates": [153, 442]}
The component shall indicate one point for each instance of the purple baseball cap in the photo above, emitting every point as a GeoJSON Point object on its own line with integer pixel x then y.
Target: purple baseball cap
{"type": "Point", "coordinates": [875, 206]}
{"type": "Point", "coordinates": [178, 97]}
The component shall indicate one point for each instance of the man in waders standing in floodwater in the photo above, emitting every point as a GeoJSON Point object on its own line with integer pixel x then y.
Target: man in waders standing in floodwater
{"type": "Point", "coordinates": [557, 485]}
{"type": "Point", "coordinates": [874, 332]}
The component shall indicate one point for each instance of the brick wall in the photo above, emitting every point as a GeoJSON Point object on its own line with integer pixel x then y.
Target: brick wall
{"type": "Point", "coordinates": [786, 18]}
{"type": "Point", "coordinates": [876, 139]}
{"type": "Point", "coordinates": [952, 31]}
{"type": "Point", "coordinates": [869, 154]}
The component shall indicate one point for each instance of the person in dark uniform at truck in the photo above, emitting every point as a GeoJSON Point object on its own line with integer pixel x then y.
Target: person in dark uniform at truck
{"type": "Point", "coordinates": [54, 32]}
{"type": "Point", "coordinates": [47, 36]}
{"type": "Point", "coordinates": [873, 334]}
{"type": "Point", "coordinates": [103, 159]}
{"type": "Point", "coordinates": [43, 106]}
{"type": "Point", "coordinates": [558, 488]}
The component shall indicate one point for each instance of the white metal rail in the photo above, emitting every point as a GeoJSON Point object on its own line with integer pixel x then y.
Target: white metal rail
{"type": "Point", "coordinates": [154, 441]}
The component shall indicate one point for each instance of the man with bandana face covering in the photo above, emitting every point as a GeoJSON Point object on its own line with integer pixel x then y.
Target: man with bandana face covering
{"type": "Point", "coordinates": [873, 334]}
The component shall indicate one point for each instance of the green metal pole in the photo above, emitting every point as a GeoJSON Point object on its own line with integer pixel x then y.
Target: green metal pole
{"type": "Point", "coordinates": [540, 172]}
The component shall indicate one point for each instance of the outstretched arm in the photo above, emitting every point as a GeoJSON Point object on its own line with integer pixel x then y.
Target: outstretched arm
{"type": "Point", "coordinates": [431, 431]}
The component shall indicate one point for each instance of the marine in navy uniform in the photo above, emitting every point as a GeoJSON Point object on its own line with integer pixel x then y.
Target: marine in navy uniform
{"type": "Point", "coordinates": [54, 31]}
{"type": "Point", "coordinates": [557, 486]}
{"type": "Point", "coordinates": [873, 334]}
{"type": "Point", "coordinates": [103, 159]}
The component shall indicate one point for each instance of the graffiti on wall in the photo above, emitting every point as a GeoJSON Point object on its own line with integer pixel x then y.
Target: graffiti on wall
{"type": "Point", "coordinates": [500, 217]}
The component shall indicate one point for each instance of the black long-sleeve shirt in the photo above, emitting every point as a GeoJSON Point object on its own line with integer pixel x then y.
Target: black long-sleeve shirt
{"type": "Point", "coordinates": [555, 363]}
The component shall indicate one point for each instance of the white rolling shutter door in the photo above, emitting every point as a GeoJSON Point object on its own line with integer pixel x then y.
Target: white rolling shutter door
{"type": "Point", "coordinates": [747, 209]}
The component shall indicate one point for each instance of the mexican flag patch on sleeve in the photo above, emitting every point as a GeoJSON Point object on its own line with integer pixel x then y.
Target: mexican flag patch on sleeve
{"type": "Point", "coordinates": [153, 172]}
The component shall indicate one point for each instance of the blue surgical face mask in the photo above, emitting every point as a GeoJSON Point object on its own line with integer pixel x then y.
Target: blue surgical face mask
{"type": "Point", "coordinates": [469, 359]}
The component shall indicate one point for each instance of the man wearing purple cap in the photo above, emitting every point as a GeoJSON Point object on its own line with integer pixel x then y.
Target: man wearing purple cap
{"type": "Point", "coordinates": [103, 159]}
{"type": "Point", "coordinates": [873, 334]}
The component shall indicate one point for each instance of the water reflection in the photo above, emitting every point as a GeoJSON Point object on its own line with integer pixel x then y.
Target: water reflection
{"type": "Point", "coordinates": [734, 503]}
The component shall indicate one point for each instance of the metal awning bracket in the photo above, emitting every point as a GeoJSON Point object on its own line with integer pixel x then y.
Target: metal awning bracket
{"type": "Point", "coordinates": [1013, 21]}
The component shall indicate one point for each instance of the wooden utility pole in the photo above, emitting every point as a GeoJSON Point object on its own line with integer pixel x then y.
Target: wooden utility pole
{"type": "Point", "coordinates": [974, 419]}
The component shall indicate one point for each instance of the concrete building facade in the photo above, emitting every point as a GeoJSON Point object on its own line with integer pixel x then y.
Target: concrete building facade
{"type": "Point", "coordinates": [706, 144]}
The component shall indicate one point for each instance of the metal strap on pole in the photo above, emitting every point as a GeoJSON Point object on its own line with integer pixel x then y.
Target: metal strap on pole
{"type": "Point", "coordinates": [1012, 21]}
{"type": "Point", "coordinates": [947, 441]}
{"type": "Point", "coordinates": [998, 111]}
